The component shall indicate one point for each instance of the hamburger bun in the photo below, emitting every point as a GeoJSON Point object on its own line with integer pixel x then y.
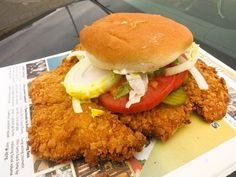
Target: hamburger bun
{"type": "Point", "coordinates": [134, 41]}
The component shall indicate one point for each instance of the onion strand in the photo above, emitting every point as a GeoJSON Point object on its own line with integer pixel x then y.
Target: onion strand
{"type": "Point", "coordinates": [188, 64]}
{"type": "Point", "coordinates": [202, 84]}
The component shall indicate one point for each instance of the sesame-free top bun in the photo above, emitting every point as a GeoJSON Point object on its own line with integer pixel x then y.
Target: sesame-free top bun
{"type": "Point", "coordinates": [134, 41]}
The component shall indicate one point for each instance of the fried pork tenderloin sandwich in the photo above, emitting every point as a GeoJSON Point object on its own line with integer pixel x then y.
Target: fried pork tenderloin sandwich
{"type": "Point", "coordinates": [131, 62]}
{"type": "Point", "coordinates": [131, 75]}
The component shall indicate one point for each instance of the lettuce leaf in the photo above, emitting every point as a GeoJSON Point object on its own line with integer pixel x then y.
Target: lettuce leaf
{"type": "Point", "coordinates": [123, 90]}
{"type": "Point", "coordinates": [138, 83]}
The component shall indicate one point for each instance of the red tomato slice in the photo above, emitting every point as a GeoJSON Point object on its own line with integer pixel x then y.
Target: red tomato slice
{"type": "Point", "coordinates": [158, 88]}
{"type": "Point", "coordinates": [179, 79]}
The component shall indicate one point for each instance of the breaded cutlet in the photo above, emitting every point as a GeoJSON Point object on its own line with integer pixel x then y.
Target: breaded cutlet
{"type": "Point", "coordinates": [164, 120]}
{"type": "Point", "coordinates": [211, 104]}
{"type": "Point", "coordinates": [59, 134]}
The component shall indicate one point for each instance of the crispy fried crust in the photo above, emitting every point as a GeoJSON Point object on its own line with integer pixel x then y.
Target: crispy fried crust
{"type": "Point", "coordinates": [211, 104]}
{"type": "Point", "coordinates": [59, 134]}
{"type": "Point", "coordinates": [164, 120]}
{"type": "Point", "coordinates": [161, 121]}
{"type": "Point", "coordinates": [47, 88]}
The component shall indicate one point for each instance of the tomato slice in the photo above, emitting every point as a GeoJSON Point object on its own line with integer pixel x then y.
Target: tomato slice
{"type": "Point", "coordinates": [158, 88]}
{"type": "Point", "coordinates": [179, 79]}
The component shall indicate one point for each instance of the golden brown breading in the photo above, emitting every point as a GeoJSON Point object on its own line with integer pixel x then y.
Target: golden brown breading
{"type": "Point", "coordinates": [164, 120]}
{"type": "Point", "coordinates": [161, 122]}
{"type": "Point", "coordinates": [47, 88]}
{"type": "Point", "coordinates": [59, 134]}
{"type": "Point", "coordinates": [211, 104]}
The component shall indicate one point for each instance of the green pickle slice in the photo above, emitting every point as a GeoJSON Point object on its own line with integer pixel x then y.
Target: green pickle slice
{"type": "Point", "coordinates": [176, 98]}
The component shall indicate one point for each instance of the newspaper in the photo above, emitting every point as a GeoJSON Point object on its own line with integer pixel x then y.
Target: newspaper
{"type": "Point", "coordinates": [187, 151]}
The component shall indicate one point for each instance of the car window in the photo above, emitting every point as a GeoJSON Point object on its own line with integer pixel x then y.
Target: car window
{"type": "Point", "coordinates": [55, 33]}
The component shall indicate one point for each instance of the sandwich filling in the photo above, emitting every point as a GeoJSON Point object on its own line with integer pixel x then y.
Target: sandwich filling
{"type": "Point", "coordinates": [128, 92]}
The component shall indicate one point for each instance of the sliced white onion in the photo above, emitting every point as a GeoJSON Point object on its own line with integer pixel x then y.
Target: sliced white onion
{"type": "Point", "coordinates": [138, 83]}
{"type": "Point", "coordinates": [76, 105]}
{"type": "Point", "coordinates": [185, 65]}
{"type": "Point", "coordinates": [192, 55]}
{"type": "Point", "coordinates": [78, 53]}
{"type": "Point", "coordinates": [202, 84]}
{"type": "Point", "coordinates": [188, 64]}
{"type": "Point", "coordinates": [85, 81]}
{"type": "Point", "coordinates": [121, 72]}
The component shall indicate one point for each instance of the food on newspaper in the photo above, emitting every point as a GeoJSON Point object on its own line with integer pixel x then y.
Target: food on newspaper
{"type": "Point", "coordinates": [165, 119]}
{"type": "Point", "coordinates": [133, 75]}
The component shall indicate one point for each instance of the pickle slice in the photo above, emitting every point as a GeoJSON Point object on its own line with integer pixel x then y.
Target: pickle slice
{"type": "Point", "coordinates": [176, 98]}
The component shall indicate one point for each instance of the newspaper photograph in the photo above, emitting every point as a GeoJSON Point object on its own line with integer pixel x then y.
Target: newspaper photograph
{"type": "Point", "coordinates": [187, 147]}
